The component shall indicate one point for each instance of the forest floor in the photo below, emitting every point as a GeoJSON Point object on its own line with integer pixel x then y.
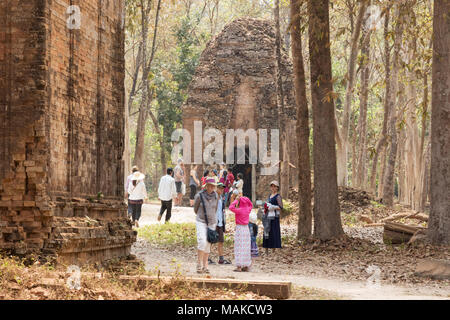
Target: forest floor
{"type": "Point", "coordinates": [337, 269]}
{"type": "Point", "coordinates": [332, 270]}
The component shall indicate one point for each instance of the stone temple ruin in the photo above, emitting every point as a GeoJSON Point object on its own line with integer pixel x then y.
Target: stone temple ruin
{"type": "Point", "coordinates": [62, 130]}
{"type": "Point", "coordinates": [234, 87]}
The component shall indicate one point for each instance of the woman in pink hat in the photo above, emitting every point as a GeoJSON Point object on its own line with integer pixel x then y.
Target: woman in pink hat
{"type": "Point", "coordinates": [242, 206]}
{"type": "Point", "coordinates": [205, 207]}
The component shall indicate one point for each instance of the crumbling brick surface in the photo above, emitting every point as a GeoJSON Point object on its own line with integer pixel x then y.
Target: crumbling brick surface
{"type": "Point", "coordinates": [234, 87]}
{"type": "Point", "coordinates": [61, 129]}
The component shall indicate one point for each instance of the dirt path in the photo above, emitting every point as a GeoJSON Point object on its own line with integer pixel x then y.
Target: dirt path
{"type": "Point", "coordinates": [179, 214]}
{"type": "Point", "coordinates": [169, 261]}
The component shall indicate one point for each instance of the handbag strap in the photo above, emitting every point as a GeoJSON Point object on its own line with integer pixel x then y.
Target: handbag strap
{"type": "Point", "coordinates": [204, 208]}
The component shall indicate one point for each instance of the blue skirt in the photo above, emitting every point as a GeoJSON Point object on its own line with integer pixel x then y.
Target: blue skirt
{"type": "Point", "coordinates": [274, 240]}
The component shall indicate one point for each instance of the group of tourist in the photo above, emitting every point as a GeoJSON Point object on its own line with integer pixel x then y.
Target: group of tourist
{"type": "Point", "coordinates": [223, 175]}
{"type": "Point", "coordinates": [209, 206]}
{"type": "Point", "coordinates": [170, 190]}
{"type": "Point", "coordinates": [210, 197]}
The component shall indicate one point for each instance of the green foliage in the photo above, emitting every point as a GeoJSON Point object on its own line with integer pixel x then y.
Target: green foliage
{"type": "Point", "coordinates": [377, 204]}
{"type": "Point", "coordinates": [172, 78]}
{"type": "Point", "coordinates": [180, 234]}
{"type": "Point", "coordinates": [349, 219]}
{"type": "Point", "coordinates": [287, 207]}
{"type": "Point", "coordinates": [176, 234]}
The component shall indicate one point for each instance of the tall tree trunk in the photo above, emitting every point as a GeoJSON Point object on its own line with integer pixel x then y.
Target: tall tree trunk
{"type": "Point", "coordinates": [412, 147]}
{"type": "Point", "coordinates": [383, 160]}
{"type": "Point", "coordinates": [160, 141]}
{"type": "Point", "coordinates": [142, 113]}
{"type": "Point", "coordinates": [344, 134]}
{"type": "Point", "coordinates": [327, 218]}
{"type": "Point", "coordinates": [426, 178]}
{"type": "Point", "coordinates": [424, 153]}
{"type": "Point", "coordinates": [360, 176]}
{"type": "Point", "coordinates": [388, 179]}
{"type": "Point", "coordinates": [281, 118]}
{"type": "Point", "coordinates": [402, 176]}
{"type": "Point", "coordinates": [439, 223]}
{"type": "Point", "coordinates": [304, 170]}
{"type": "Point", "coordinates": [137, 68]}
{"type": "Point", "coordinates": [146, 96]}
{"type": "Point", "coordinates": [381, 144]}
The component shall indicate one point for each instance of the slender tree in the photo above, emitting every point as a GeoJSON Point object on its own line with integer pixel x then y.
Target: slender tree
{"type": "Point", "coordinates": [147, 94]}
{"type": "Point", "coordinates": [343, 135]}
{"type": "Point", "coordinates": [281, 110]}
{"type": "Point", "coordinates": [381, 144]}
{"type": "Point", "coordinates": [304, 170]}
{"type": "Point", "coordinates": [360, 174]}
{"type": "Point", "coordinates": [439, 223]}
{"type": "Point", "coordinates": [327, 219]}
{"type": "Point", "coordinates": [388, 179]}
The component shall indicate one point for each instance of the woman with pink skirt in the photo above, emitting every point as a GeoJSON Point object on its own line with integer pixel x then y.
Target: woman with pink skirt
{"type": "Point", "coordinates": [242, 206]}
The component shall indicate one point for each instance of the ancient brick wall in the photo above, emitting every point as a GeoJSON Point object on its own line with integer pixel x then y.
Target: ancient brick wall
{"type": "Point", "coordinates": [61, 129]}
{"type": "Point", "coordinates": [234, 87]}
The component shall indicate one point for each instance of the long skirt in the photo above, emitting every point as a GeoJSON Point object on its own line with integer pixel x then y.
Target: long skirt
{"type": "Point", "coordinates": [274, 240]}
{"type": "Point", "coordinates": [242, 246]}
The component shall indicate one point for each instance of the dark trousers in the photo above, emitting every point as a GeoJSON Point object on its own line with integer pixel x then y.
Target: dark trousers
{"type": "Point", "coordinates": [166, 205]}
{"type": "Point", "coordinates": [136, 211]}
{"type": "Point", "coordinates": [130, 210]}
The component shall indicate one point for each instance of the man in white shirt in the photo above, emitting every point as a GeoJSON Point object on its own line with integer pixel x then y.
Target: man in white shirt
{"type": "Point", "coordinates": [166, 192]}
{"type": "Point", "coordinates": [127, 185]}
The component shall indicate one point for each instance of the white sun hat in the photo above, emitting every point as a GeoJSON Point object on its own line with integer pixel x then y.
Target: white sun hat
{"type": "Point", "coordinates": [138, 176]}
{"type": "Point", "coordinates": [275, 183]}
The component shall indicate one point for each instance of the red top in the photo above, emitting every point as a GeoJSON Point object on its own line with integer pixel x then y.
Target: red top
{"type": "Point", "coordinates": [229, 182]}
{"type": "Point", "coordinates": [203, 182]}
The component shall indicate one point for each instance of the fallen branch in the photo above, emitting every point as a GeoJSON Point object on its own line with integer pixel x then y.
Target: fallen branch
{"type": "Point", "coordinates": [395, 233]}
{"type": "Point", "coordinates": [395, 216]}
{"type": "Point", "coordinates": [419, 216]}
{"type": "Point", "coordinates": [406, 215]}
{"type": "Point", "coordinates": [373, 225]}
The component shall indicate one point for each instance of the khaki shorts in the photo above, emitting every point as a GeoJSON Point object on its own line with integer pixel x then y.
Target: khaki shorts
{"type": "Point", "coordinates": [202, 242]}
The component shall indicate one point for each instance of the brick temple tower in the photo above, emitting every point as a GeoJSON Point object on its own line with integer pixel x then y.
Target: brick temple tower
{"type": "Point", "coordinates": [62, 129]}
{"type": "Point", "coordinates": [234, 87]}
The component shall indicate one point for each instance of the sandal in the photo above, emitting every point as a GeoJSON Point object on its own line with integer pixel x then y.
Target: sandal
{"type": "Point", "coordinates": [245, 269]}
{"type": "Point", "coordinates": [224, 261]}
{"type": "Point", "coordinates": [199, 269]}
{"type": "Point", "coordinates": [238, 269]}
{"type": "Point", "coordinates": [205, 270]}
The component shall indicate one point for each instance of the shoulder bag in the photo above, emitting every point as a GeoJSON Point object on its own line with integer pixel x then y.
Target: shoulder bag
{"type": "Point", "coordinates": [212, 235]}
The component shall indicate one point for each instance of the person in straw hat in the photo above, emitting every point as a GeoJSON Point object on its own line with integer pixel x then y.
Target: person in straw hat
{"type": "Point", "coordinates": [271, 218]}
{"type": "Point", "coordinates": [221, 222]}
{"type": "Point", "coordinates": [127, 184]}
{"type": "Point", "coordinates": [205, 207]}
{"type": "Point", "coordinates": [137, 194]}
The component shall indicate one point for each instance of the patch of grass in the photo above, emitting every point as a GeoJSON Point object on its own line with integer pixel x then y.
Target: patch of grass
{"type": "Point", "coordinates": [288, 207]}
{"type": "Point", "coordinates": [349, 219]}
{"type": "Point", "coordinates": [177, 234]}
{"type": "Point", "coordinates": [181, 234]}
{"type": "Point", "coordinates": [377, 204]}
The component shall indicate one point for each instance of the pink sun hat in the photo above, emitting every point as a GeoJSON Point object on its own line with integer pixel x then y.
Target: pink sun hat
{"type": "Point", "coordinates": [211, 181]}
